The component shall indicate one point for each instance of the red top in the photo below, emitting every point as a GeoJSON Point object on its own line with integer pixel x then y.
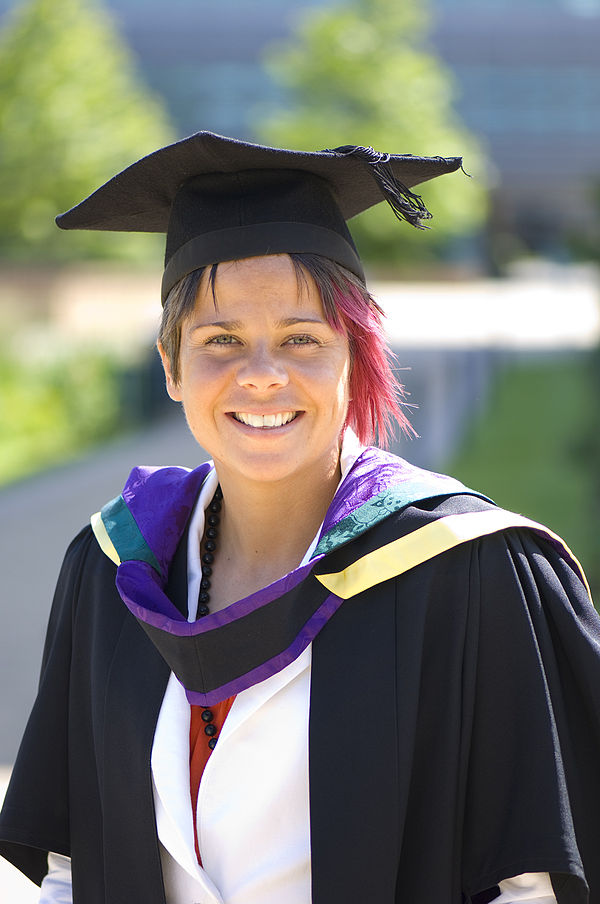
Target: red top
{"type": "Point", "coordinates": [200, 751]}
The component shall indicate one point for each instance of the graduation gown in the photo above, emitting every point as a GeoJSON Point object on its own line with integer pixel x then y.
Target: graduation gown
{"type": "Point", "coordinates": [474, 672]}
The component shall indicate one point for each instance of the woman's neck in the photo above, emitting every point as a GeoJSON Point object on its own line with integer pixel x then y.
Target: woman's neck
{"type": "Point", "coordinates": [265, 531]}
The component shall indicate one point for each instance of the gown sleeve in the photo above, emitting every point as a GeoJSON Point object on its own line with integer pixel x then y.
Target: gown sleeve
{"type": "Point", "coordinates": [35, 816]}
{"type": "Point", "coordinates": [532, 706]}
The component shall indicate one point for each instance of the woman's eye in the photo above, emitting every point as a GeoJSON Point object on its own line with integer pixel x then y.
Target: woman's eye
{"type": "Point", "coordinates": [223, 339]}
{"type": "Point", "coordinates": [301, 340]}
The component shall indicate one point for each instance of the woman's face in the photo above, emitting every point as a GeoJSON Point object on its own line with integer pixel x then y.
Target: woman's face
{"type": "Point", "coordinates": [264, 378]}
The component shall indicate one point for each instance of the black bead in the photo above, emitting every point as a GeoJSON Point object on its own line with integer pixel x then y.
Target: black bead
{"type": "Point", "coordinates": [212, 533]}
{"type": "Point", "coordinates": [210, 730]}
{"type": "Point", "coordinates": [208, 558]}
{"type": "Point", "coordinates": [204, 596]}
{"type": "Point", "coordinates": [218, 492]}
{"type": "Point", "coordinates": [210, 546]}
{"type": "Point", "coordinates": [207, 716]}
{"type": "Point", "coordinates": [213, 520]}
{"type": "Point", "coordinates": [204, 584]}
{"type": "Point", "coordinates": [203, 610]}
{"type": "Point", "coordinates": [212, 743]}
{"type": "Point", "coordinates": [214, 506]}
{"type": "Point", "coordinates": [207, 570]}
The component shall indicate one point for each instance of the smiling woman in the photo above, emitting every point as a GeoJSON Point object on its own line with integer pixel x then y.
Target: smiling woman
{"type": "Point", "coordinates": [305, 671]}
{"type": "Point", "coordinates": [375, 397]}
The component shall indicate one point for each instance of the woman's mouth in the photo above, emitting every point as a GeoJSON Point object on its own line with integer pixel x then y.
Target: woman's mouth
{"type": "Point", "coordinates": [263, 421]}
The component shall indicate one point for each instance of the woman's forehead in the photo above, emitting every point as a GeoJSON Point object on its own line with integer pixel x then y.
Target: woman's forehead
{"type": "Point", "coordinates": [259, 282]}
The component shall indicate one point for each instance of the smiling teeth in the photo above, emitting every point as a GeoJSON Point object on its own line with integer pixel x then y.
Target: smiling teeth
{"type": "Point", "coordinates": [265, 420]}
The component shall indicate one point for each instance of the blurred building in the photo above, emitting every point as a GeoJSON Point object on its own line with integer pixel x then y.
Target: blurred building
{"type": "Point", "coordinates": [529, 77]}
{"type": "Point", "coordinates": [528, 82]}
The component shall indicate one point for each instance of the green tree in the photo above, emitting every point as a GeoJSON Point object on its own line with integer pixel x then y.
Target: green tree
{"type": "Point", "coordinates": [73, 112]}
{"type": "Point", "coordinates": [362, 72]}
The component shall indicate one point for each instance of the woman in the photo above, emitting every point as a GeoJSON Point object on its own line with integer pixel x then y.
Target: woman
{"type": "Point", "coordinates": [310, 671]}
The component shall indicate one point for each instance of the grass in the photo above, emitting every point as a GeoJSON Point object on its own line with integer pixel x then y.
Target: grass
{"type": "Point", "coordinates": [533, 450]}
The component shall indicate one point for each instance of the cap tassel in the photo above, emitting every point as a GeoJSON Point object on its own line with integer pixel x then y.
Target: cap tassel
{"type": "Point", "coordinates": [405, 203]}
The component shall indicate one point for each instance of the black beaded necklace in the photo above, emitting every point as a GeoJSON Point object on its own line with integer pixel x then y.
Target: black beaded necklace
{"type": "Point", "coordinates": [208, 557]}
{"type": "Point", "coordinates": [209, 545]}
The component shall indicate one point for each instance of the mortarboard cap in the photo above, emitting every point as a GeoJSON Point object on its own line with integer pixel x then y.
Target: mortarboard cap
{"type": "Point", "coordinates": [221, 199]}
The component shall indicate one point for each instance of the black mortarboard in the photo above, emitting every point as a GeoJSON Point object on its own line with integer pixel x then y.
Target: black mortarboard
{"type": "Point", "coordinates": [222, 199]}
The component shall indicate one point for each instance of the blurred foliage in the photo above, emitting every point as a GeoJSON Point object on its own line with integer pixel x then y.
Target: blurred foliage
{"type": "Point", "coordinates": [536, 450]}
{"type": "Point", "coordinates": [72, 113]}
{"type": "Point", "coordinates": [363, 73]}
{"type": "Point", "coordinates": [52, 409]}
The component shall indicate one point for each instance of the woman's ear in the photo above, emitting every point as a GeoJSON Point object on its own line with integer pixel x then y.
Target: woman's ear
{"type": "Point", "coordinates": [173, 388]}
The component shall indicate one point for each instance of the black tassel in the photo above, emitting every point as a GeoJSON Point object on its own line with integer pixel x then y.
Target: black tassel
{"type": "Point", "coordinates": [405, 203]}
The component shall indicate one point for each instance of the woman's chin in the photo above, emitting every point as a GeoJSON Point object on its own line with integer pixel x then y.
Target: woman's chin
{"type": "Point", "coordinates": [273, 469]}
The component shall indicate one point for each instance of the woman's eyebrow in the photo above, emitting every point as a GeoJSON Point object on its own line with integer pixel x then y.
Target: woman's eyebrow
{"type": "Point", "coordinates": [292, 321]}
{"type": "Point", "coordinates": [229, 325]}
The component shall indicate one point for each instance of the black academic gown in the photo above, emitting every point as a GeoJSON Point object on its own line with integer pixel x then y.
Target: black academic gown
{"type": "Point", "coordinates": [454, 729]}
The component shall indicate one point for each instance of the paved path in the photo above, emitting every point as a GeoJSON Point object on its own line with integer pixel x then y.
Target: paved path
{"type": "Point", "coordinates": [38, 518]}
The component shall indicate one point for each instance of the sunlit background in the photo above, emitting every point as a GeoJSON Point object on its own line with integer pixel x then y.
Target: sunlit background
{"type": "Point", "coordinates": [493, 313]}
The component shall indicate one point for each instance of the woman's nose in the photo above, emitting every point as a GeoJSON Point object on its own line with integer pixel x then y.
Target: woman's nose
{"type": "Point", "coordinates": [262, 370]}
